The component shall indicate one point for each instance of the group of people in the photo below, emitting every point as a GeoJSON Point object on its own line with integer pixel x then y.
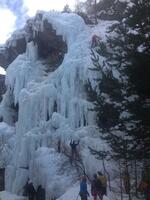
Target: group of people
{"type": "Point", "coordinates": [98, 187]}
{"type": "Point", "coordinates": [33, 194]}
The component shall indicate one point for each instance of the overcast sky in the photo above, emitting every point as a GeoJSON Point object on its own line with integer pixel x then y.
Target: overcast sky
{"type": "Point", "coordinates": [13, 13]}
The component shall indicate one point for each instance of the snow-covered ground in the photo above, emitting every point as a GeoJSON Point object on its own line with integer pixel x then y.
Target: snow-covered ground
{"type": "Point", "coordinates": [9, 196]}
{"type": "Point", "coordinates": [40, 126]}
{"type": "Point", "coordinates": [73, 194]}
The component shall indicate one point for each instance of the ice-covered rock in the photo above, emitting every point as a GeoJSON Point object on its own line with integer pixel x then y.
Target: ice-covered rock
{"type": "Point", "coordinates": [50, 106]}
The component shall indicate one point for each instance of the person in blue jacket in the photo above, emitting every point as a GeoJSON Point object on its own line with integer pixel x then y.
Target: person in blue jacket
{"type": "Point", "coordinates": [83, 189]}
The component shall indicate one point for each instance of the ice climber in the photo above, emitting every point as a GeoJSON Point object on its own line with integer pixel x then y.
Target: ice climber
{"type": "Point", "coordinates": [74, 153]}
{"type": "Point", "coordinates": [95, 41]}
{"type": "Point", "coordinates": [83, 189]}
{"type": "Point", "coordinates": [59, 145]}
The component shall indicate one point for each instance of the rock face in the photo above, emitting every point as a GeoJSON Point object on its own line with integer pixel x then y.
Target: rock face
{"type": "Point", "coordinates": [2, 86]}
{"type": "Point", "coordinates": [9, 52]}
{"type": "Point", "coordinates": [51, 47]}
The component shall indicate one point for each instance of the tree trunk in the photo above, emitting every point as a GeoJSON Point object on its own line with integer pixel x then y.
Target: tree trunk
{"type": "Point", "coordinates": [136, 180]}
{"type": "Point", "coordinates": [95, 11]}
{"type": "Point", "coordinates": [106, 173]}
{"type": "Point", "coordinates": [121, 190]}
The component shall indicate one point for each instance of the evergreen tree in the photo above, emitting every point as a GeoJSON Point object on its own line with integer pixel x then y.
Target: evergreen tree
{"type": "Point", "coordinates": [137, 53]}
{"type": "Point", "coordinates": [122, 93]}
{"type": "Point", "coordinates": [111, 9]}
{"type": "Point", "coordinates": [109, 94]}
{"type": "Point", "coordinates": [105, 9]}
{"type": "Point", "coordinates": [130, 56]}
{"type": "Point", "coordinates": [109, 98]}
{"type": "Point", "coordinates": [89, 8]}
{"type": "Point", "coordinates": [66, 9]}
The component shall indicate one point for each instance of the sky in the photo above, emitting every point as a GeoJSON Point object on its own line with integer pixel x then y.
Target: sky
{"type": "Point", "coordinates": [15, 13]}
{"type": "Point", "coordinates": [2, 71]}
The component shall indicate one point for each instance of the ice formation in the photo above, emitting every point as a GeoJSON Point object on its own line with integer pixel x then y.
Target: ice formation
{"type": "Point", "coordinates": [49, 107]}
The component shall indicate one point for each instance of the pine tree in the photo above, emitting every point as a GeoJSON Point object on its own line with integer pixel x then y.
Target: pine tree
{"type": "Point", "coordinates": [66, 9]}
{"type": "Point", "coordinates": [131, 50]}
{"type": "Point", "coordinates": [111, 9]}
{"type": "Point", "coordinates": [105, 9]}
{"type": "Point", "coordinates": [109, 99]}
{"type": "Point", "coordinates": [127, 52]}
{"type": "Point", "coordinates": [137, 48]}
{"type": "Point", "coordinates": [109, 94]}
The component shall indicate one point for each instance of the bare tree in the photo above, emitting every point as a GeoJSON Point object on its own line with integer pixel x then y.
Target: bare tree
{"type": "Point", "coordinates": [95, 11]}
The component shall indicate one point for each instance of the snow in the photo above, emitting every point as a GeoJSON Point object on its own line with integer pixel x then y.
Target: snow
{"type": "Point", "coordinates": [132, 98]}
{"type": "Point", "coordinates": [125, 115]}
{"type": "Point", "coordinates": [7, 142]}
{"type": "Point", "coordinates": [39, 126]}
{"type": "Point", "coordinates": [73, 193]}
{"type": "Point", "coordinates": [9, 196]}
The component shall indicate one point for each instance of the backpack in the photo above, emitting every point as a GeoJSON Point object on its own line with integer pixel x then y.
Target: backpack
{"type": "Point", "coordinates": [103, 180]}
{"type": "Point", "coordinates": [98, 184]}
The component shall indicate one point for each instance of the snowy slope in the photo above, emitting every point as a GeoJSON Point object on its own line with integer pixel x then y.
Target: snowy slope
{"type": "Point", "coordinates": [73, 194]}
{"type": "Point", "coordinates": [9, 196]}
{"type": "Point", "coordinates": [52, 106]}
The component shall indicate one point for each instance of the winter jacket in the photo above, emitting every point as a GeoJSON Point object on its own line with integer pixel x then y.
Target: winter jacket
{"type": "Point", "coordinates": [83, 190]}
{"type": "Point", "coordinates": [83, 186]}
{"type": "Point", "coordinates": [94, 188]}
{"type": "Point", "coordinates": [30, 189]}
{"type": "Point", "coordinates": [73, 145]}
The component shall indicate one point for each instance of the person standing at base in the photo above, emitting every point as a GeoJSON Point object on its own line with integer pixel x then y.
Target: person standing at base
{"type": "Point", "coordinates": [102, 178]}
{"type": "Point", "coordinates": [83, 189]}
{"type": "Point", "coordinates": [40, 194]}
{"type": "Point", "coordinates": [30, 190]}
{"type": "Point", "coordinates": [94, 189]}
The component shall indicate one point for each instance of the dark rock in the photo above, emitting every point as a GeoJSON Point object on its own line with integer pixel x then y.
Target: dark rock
{"type": "Point", "coordinates": [2, 86]}
{"type": "Point", "coordinates": [51, 47]}
{"type": "Point", "coordinates": [85, 17]}
{"type": "Point", "coordinates": [10, 52]}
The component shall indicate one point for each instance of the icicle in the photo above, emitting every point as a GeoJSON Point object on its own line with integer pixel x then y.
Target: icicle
{"type": "Point", "coordinates": [31, 51]}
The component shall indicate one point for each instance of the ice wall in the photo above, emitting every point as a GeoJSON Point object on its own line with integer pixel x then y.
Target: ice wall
{"type": "Point", "coordinates": [51, 106]}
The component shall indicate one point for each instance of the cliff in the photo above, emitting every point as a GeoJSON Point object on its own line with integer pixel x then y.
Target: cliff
{"type": "Point", "coordinates": [41, 33]}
